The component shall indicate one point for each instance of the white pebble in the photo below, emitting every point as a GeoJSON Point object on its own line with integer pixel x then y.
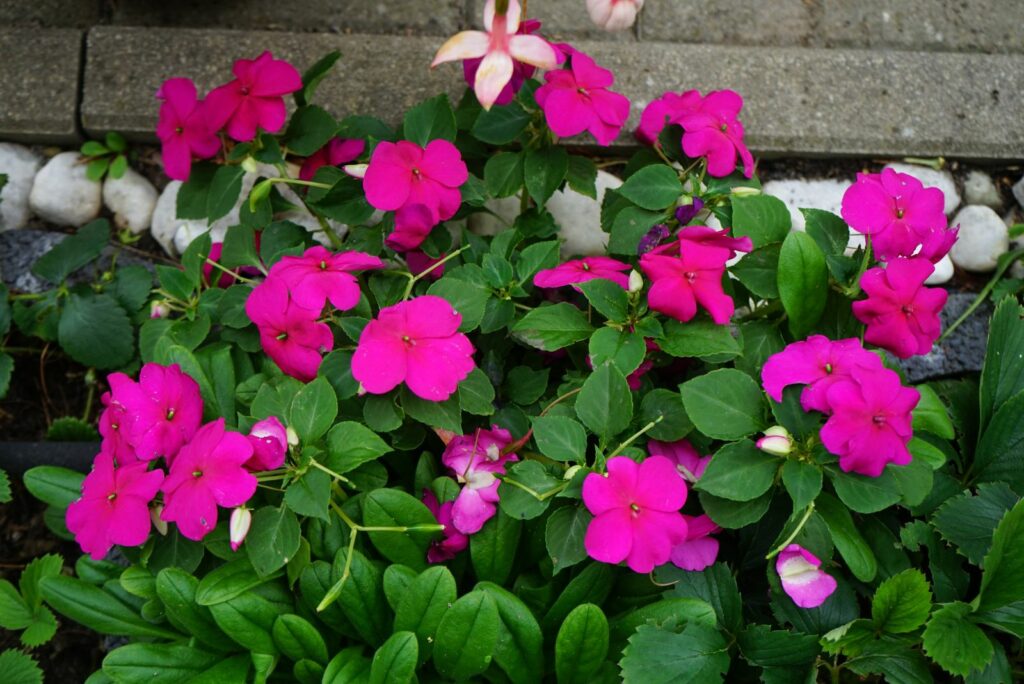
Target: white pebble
{"type": "Point", "coordinates": [943, 272]}
{"type": "Point", "coordinates": [983, 238]}
{"type": "Point", "coordinates": [20, 165]}
{"type": "Point", "coordinates": [942, 180]}
{"type": "Point", "coordinates": [132, 199]}
{"type": "Point", "coordinates": [979, 189]}
{"type": "Point", "coordinates": [808, 194]}
{"type": "Point", "coordinates": [62, 194]}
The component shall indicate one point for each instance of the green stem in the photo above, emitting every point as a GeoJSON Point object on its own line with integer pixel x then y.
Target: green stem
{"type": "Point", "coordinates": [414, 279]}
{"type": "Point", "coordinates": [559, 400]}
{"type": "Point", "coordinates": [1005, 262]}
{"type": "Point", "coordinates": [791, 537]}
{"type": "Point", "coordinates": [635, 436]}
{"type": "Point", "coordinates": [854, 290]}
{"type": "Point", "coordinates": [231, 273]}
{"type": "Point", "coordinates": [295, 181]}
{"type": "Point", "coordinates": [90, 395]}
{"type": "Point", "coordinates": [534, 493]}
{"type": "Point", "coordinates": [26, 296]}
{"type": "Point", "coordinates": [316, 464]}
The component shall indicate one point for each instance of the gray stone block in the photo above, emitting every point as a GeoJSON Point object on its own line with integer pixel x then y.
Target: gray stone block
{"type": "Point", "coordinates": [416, 17]}
{"type": "Point", "coordinates": [39, 84]}
{"type": "Point", "coordinates": [963, 351]}
{"type": "Point", "coordinates": [563, 20]}
{"type": "Point", "coordinates": [729, 22]}
{"type": "Point", "coordinates": [50, 13]}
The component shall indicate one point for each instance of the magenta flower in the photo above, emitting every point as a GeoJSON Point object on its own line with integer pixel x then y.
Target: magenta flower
{"type": "Point", "coordinates": [577, 99]}
{"type": "Point", "coordinates": [700, 549]}
{"type": "Point", "coordinates": [164, 410]}
{"type": "Point", "coordinates": [115, 422]}
{"type": "Point", "coordinates": [870, 424]}
{"type": "Point", "coordinates": [679, 284]}
{"type": "Point", "coordinates": [712, 130]}
{"type": "Point", "coordinates": [183, 128]}
{"type": "Point", "coordinates": [898, 212]}
{"type": "Point", "coordinates": [709, 237]}
{"type": "Point", "coordinates": [420, 262]}
{"type": "Point", "coordinates": [582, 270]}
{"type": "Point", "coordinates": [521, 71]}
{"type": "Point", "coordinates": [475, 460]}
{"type": "Point", "coordinates": [670, 108]}
{"type": "Point", "coordinates": [454, 541]}
{"type": "Point", "coordinates": [269, 441]}
{"type": "Point", "coordinates": [221, 278]}
{"type": "Point", "coordinates": [817, 362]}
{"type": "Point", "coordinates": [614, 15]}
{"type": "Point", "coordinates": [416, 342]}
{"type": "Point", "coordinates": [335, 153]}
{"type": "Point", "coordinates": [319, 276]}
{"type": "Point", "coordinates": [636, 512]}
{"type": "Point", "coordinates": [688, 462]}
{"type": "Point", "coordinates": [500, 47]}
{"type": "Point", "coordinates": [255, 99]}
{"type": "Point", "coordinates": [114, 506]}
{"type": "Point", "coordinates": [289, 334]}
{"type": "Point", "coordinates": [802, 578]}
{"type": "Point", "coordinates": [208, 472]}
{"type": "Point", "coordinates": [413, 224]}
{"type": "Point", "coordinates": [902, 315]}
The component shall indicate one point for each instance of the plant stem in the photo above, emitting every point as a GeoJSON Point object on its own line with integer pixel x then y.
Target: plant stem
{"type": "Point", "coordinates": [441, 262]}
{"type": "Point", "coordinates": [534, 493]}
{"type": "Point", "coordinates": [1006, 262]}
{"type": "Point", "coordinates": [559, 400]}
{"type": "Point", "coordinates": [632, 438]}
{"type": "Point", "coordinates": [791, 537]}
{"type": "Point", "coordinates": [316, 464]}
{"type": "Point", "coordinates": [854, 290]}
{"type": "Point", "coordinates": [231, 273]}
{"type": "Point", "coordinates": [90, 395]}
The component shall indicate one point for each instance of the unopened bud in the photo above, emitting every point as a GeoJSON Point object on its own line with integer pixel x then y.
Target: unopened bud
{"type": "Point", "coordinates": [249, 165]}
{"type": "Point", "coordinates": [158, 522]}
{"type": "Point", "coordinates": [159, 309]}
{"type": "Point", "coordinates": [293, 436]}
{"type": "Point", "coordinates": [355, 170]}
{"type": "Point", "coordinates": [777, 441]}
{"type": "Point", "coordinates": [744, 191]}
{"type": "Point", "coordinates": [241, 519]}
{"type": "Point", "coordinates": [636, 281]}
{"type": "Point", "coordinates": [571, 472]}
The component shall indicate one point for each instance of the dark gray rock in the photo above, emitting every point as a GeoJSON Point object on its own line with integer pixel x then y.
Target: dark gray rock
{"type": "Point", "coordinates": [961, 352]}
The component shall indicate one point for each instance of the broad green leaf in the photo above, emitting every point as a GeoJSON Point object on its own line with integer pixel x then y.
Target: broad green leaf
{"type": "Point", "coordinates": [493, 549]}
{"type": "Point", "coordinates": [273, 539]}
{"type": "Point", "coordinates": [423, 604]}
{"type": "Point", "coordinates": [397, 579]}
{"type": "Point", "coordinates": [297, 639]}
{"type": "Point", "coordinates": [310, 128]}
{"type": "Point", "coordinates": [543, 171]}
{"type": "Point", "coordinates": [313, 410]}
{"type": "Point", "coordinates": [582, 175]}
{"type": "Point", "coordinates": [668, 612]}
{"type": "Point", "coordinates": [395, 661]}
{"type": "Point", "coordinates": [228, 581]}
{"type": "Point", "coordinates": [395, 508]}
{"type": "Point", "coordinates": [697, 654]}
{"type": "Point", "coordinates": [14, 613]}
{"type": "Point", "coordinates": [969, 520]}
{"type": "Point", "coordinates": [248, 619]}
{"type": "Point", "coordinates": [733, 515]}
{"type": "Point", "coordinates": [803, 282]}
{"type": "Point", "coordinates": [176, 590]}
{"type": "Point", "coordinates": [802, 481]}
{"type": "Point", "coordinates": [763, 218]}
{"type": "Point", "coordinates": [665, 408]}
{"type": "Point", "coordinates": [1000, 453]}
{"type": "Point", "coordinates": [223, 193]}
{"type": "Point", "coordinates": [652, 187]}
{"type": "Point", "coordinates": [901, 603]}
{"type": "Point", "coordinates": [563, 536]}
{"type": "Point", "coordinates": [701, 339]}
{"type": "Point", "coordinates": [467, 297]}
{"type": "Point", "coordinates": [625, 350]}
{"type": "Point", "coordinates": [97, 609]}
{"type": "Point", "coordinates": [95, 331]}
{"type": "Point", "coordinates": [73, 252]}
{"type": "Point", "coordinates": [739, 472]}
{"type": "Point", "coordinates": [503, 174]}
{"type": "Point", "coordinates": [629, 227]}
{"type": "Point", "coordinates": [520, 643]}
{"type": "Point", "coordinates": [501, 125]}
{"type": "Point", "coordinates": [1002, 582]}
{"type": "Point", "coordinates": [310, 494]}
{"type": "Point", "coordinates": [581, 645]}
{"type": "Point", "coordinates": [828, 230]}
{"type": "Point", "coordinates": [757, 271]}
{"type": "Point", "coordinates": [361, 597]}
{"type": "Point", "coordinates": [432, 119]}
{"type": "Point", "coordinates": [350, 444]}
{"type": "Point", "coordinates": [446, 415]}
{"type": "Point", "coordinates": [848, 540]}
{"type": "Point", "coordinates": [467, 636]}
{"type": "Point", "coordinates": [476, 394]}
{"type": "Point", "coordinates": [592, 584]}
{"type": "Point", "coordinates": [552, 327]}
{"type": "Point", "coordinates": [605, 404]}
{"type": "Point", "coordinates": [954, 643]}
{"type": "Point", "coordinates": [20, 668]}
{"type": "Point", "coordinates": [560, 438]}
{"type": "Point", "coordinates": [1002, 376]}
{"type": "Point", "coordinates": [312, 77]}
{"type": "Point", "coordinates": [54, 485]}
{"type": "Point", "coordinates": [165, 664]}
{"type": "Point", "coordinates": [610, 300]}
{"type": "Point", "coordinates": [725, 404]}
{"type": "Point", "coordinates": [931, 415]}
{"type": "Point", "coordinates": [766, 647]}
{"type": "Point", "coordinates": [865, 494]}
{"type": "Point", "coordinates": [715, 585]}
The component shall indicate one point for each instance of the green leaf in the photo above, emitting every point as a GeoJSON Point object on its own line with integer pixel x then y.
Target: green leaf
{"type": "Point", "coordinates": [560, 438]}
{"type": "Point", "coordinates": [999, 456]}
{"type": "Point", "coordinates": [581, 645]}
{"type": "Point", "coordinates": [733, 515]}
{"type": "Point", "coordinates": [168, 664]}
{"type": "Point", "coordinates": [625, 350]}
{"type": "Point", "coordinates": [97, 609]}
{"type": "Point", "coordinates": [1002, 376]}
{"type": "Point", "coordinates": [467, 297]}
{"type": "Point", "coordinates": [605, 404]}
{"type": "Point", "coordinates": [582, 175]}
{"type": "Point", "coordinates": [828, 230]}
{"type": "Point", "coordinates": [503, 174]}
{"type": "Point", "coordinates": [865, 494]}
{"type": "Point", "coordinates": [14, 613]}
{"type": "Point", "coordinates": [954, 643]}
{"type": "Point", "coordinates": [550, 328]}
{"type": "Point", "coordinates": [758, 271]}
{"type": "Point", "coordinates": [248, 619]}
{"type": "Point", "coordinates": [19, 668]}
{"type": "Point", "coordinates": [423, 604]}
{"type": "Point", "coordinates": [313, 410]}
{"type": "Point", "coordinates": [493, 549]}
{"type": "Point", "coordinates": [522, 504]}
{"type": "Point", "coordinates": [629, 227]}
{"type": "Point", "coordinates": [395, 508]}
{"type": "Point", "coordinates": [969, 520]}
{"type": "Point", "coordinates": [895, 661]}
{"type": "Point", "coordinates": [350, 444]}
{"type": "Point", "coordinates": [344, 202]}
{"type": "Point", "coordinates": [131, 287]}
{"type": "Point", "coordinates": [901, 603]}
{"type": "Point", "coordinates": [543, 171]}
{"type": "Point", "coordinates": [476, 394]}
{"type": "Point", "coordinates": [467, 636]}
{"type": "Point", "coordinates": [851, 545]}
{"type": "Point", "coordinates": [802, 481]}
{"type": "Point", "coordinates": [536, 257]}
{"type": "Point", "coordinates": [310, 494]}
{"type": "Point", "coordinates": [607, 297]}
{"type": "Point", "coordinates": [54, 485]}
{"type": "Point", "coordinates": [177, 590]}
{"type": "Point", "coordinates": [432, 119]}
{"type": "Point", "coordinates": [361, 597]}
{"type": "Point", "coordinates": [803, 282]}
{"type": "Point", "coordinates": [519, 651]}
{"type": "Point", "coordinates": [765, 219]}
{"type": "Point", "coordinates": [563, 536]}
{"type": "Point", "coordinates": [739, 472]}
{"type": "Point", "coordinates": [96, 168]}
{"type": "Point", "coordinates": [653, 187]}
{"type": "Point", "coordinates": [175, 551]}
{"type": "Point", "coordinates": [395, 661]}
{"type": "Point", "coordinates": [1002, 582]}
{"type": "Point", "coordinates": [592, 584]}
{"type": "Point", "coordinates": [701, 339]}
{"type": "Point", "coordinates": [526, 385]}
{"type": "Point", "coordinates": [697, 654]}
{"type": "Point", "coordinates": [95, 331]}
{"type": "Point", "coordinates": [766, 647]}
{"type": "Point", "coordinates": [715, 585]}
{"type": "Point", "coordinates": [310, 128]}
{"type": "Point", "coordinates": [115, 141]}
{"type": "Point", "coordinates": [224, 191]}
{"type": "Point", "coordinates": [5, 482]}
{"type": "Point", "coordinates": [273, 539]}
{"type": "Point", "coordinates": [312, 77]}
{"type": "Point", "coordinates": [501, 125]}
{"type": "Point", "coordinates": [724, 404]}
{"type": "Point", "coordinates": [93, 148]}
{"type": "Point", "coordinates": [930, 414]}
{"type": "Point", "coordinates": [297, 638]}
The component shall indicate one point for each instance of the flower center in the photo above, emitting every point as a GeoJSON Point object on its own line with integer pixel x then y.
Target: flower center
{"type": "Point", "coordinates": [416, 172]}
{"type": "Point", "coordinates": [409, 342]}
{"type": "Point", "coordinates": [583, 92]}
{"type": "Point", "coordinates": [907, 309]}
{"type": "Point", "coordinates": [724, 127]}
{"type": "Point", "coordinates": [878, 420]}
{"type": "Point", "coordinates": [635, 509]}
{"type": "Point", "coordinates": [244, 90]}
{"type": "Point", "coordinates": [828, 368]}
{"type": "Point", "coordinates": [197, 474]}
{"type": "Point", "coordinates": [690, 276]}
{"type": "Point", "coordinates": [170, 413]}
{"type": "Point", "coordinates": [899, 213]}
{"type": "Point", "coordinates": [111, 496]}
{"type": "Point", "coordinates": [323, 265]}
{"type": "Point", "coordinates": [282, 337]}
{"type": "Point", "coordinates": [586, 266]}
{"type": "Point", "coordinates": [179, 130]}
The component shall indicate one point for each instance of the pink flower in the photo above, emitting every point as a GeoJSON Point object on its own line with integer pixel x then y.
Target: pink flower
{"type": "Point", "coordinates": [635, 379]}
{"type": "Point", "coordinates": [670, 108]}
{"type": "Point", "coordinates": [413, 224]}
{"type": "Point", "coordinates": [183, 128]}
{"type": "Point", "coordinates": [614, 15]}
{"type": "Point", "coordinates": [902, 314]}
{"type": "Point", "coordinates": [454, 541]}
{"type": "Point", "coordinates": [335, 153]}
{"type": "Point", "coordinates": [420, 262]}
{"type": "Point", "coordinates": [114, 506]}
{"type": "Point", "coordinates": [817, 362]}
{"type": "Point", "coordinates": [164, 410]}
{"type": "Point", "coordinates": [713, 131]}
{"type": "Point", "coordinates": [208, 471]}
{"type": "Point", "coordinates": [255, 99]}
{"type": "Point", "coordinates": [577, 99]}
{"type": "Point", "coordinates": [500, 47]}
{"type": "Point", "coordinates": [898, 212]}
{"type": "Point", "coordinates": [709, 237]}
{"type": "Point", "coordinates": [269, 441]}
{"type": "Point", "coordinates": [700, 549]}
{"type": "Point", "coordinates": [223, 279]}
{"type": "Point", "coordinates": [679, 284]}
{"type": "Point", "coordinates": [870, 424]}
{"type": "Point", "coordinates": [521, 71]}
{"type": "Point", "coordinates": [636, 512]}
{"type": "Point", "coordinates": [802, 578]}
{"type": "Point", "coordinates": [683, 456]}
{"type": "Point", "coordinates": [582, 270]}
{"type": "Point", "coordinates": [416, 342]}
{"type": "Point", "coordinates": [289, 334]}
{"type": "Point", "coordinates": [115, 422]}
{"type": "Point", "coordinates": [475, 460]}
{"type": "Point", "coordinates": [319, 276]}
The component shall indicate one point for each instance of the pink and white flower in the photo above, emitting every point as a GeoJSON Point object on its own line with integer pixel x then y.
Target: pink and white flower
{"type": "Point", "coordinates": [802, 578]}
{"type": "Point", "coordinates": [614, 15]}
{"type": "Point", "coordinates": [476, 460]}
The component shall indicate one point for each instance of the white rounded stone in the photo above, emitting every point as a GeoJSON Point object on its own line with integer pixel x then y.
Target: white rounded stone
{"type": "Point", "coordinates": [980, 189]}
{"type": "Point", "coordinates": [801, 193]}
{"type": "Point", "coordinates": [62, 194]}
{"type": "Point", "coordinates": [20, 165]}
{"type": "Point", "coordinates": [943, 180]}
{"type": "Point", "coordinates": [943, 272]}
{"type": "Point", "coordinates": [132, 199]}
{"type": "Point", "coordinates": [983, 238]}
{"type": "Point", "coordinates": [1018, 191]}
{"type": "Point", "coordinates": [165, 223]}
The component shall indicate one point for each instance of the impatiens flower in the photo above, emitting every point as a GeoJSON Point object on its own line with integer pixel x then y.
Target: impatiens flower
{"type": "Point", "coordinates": [817, 362]}
{"type": "Point", "coordinates": [417, 342]}
{"type": "Point", "coordinates": [164, 410]}
{"type": "Point", "coordinates": [114, 424]}
{"type": "Point", "coordinates": [577, 99]}
{"type": "Point", "coordinates": [902, 315]}
{"type": "Point", "coordinates": [183, 128]}
{"type": "Point", "coordinates": [636, 512]}
{"type": "Point", "coordinates": [238, 526]}
{"type": "Point", "coordinates": [454, 541]}
{"type": "Point", "coordinates": [220, 278]}
{"type": "Point", "coordinates": [319, 276]}
{"type": "Point", "coordinates": [713, 131]}
{"type": "Point", "coordinates": [635, 379]}
{"type": "Point", "coordinates": [688, 462]}
{"type": "Point", "coordinates": [208, 472]}
{"type": "Point", "coordinates": [687, 212]}
{"type": "Point", "coordinates": [335, 153]}
{"type": "Point", "coordinates": [289, 334]}
{"type": "Point", "coordinates": [802, 578]}
{"type": "Point", "coordinates": [475, 460]}
{"type": "Point", "coordinates": [500, 46]}
{"type": "Point", "coordinates": [679, 284]}
{"type": "Point", "coordinates": [897, 211]}
{"type": "Point", "coordinates": [420, 262]}
{"type": "Point", "coordinates": [776, 441]}
{"type": "Point", "coordinates": [614, 15]}
{"type": "Point", "coordinates": [521, 71]}
{"type": "Point", "coordinates": [158, 309]}
{"type": "Point", "coordinates": [700, 549]}
{"type": "Point", "coordinates": [413, 224]}
{"type": "Point", "coordinates": [670, 108]}
{"type": "Point", "coordinates": [269, 441]}
{"type": "Point", "coordinates": [582, 270]}
{"type": "Point", "coordinates": [255, 99]}
{"type": "Point", "coordinates": [870, 424]}
{"type": "Point", "coordinates": [709, 237]}
{"type": "Point", "coordinates": [114, 506]}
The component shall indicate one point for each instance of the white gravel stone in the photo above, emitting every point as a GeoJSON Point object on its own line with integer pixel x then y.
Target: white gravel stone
{"type": "Point", "coordinates": [980, 189]}
{"type": "Point", "coordinates": [983, 238]}
{"type": "Point", "coordinates": [943, 180]}
{"type": "Point", "coordinates": [1018, 191]}
{"type": "Point", "coordinates": [62, 194]}
{"type": "Point", "coordinates": [165, 223]}
{"type": "Point", "coordinates": [20, 165]}
{"type": "Point", "coordinates": [132, 199]}
{"type": "Point", "coordinates": [943, 272]}
{"type": "Point", "coordinates": [808, 194]}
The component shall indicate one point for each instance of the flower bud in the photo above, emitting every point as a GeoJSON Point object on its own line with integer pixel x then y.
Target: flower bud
{"type": "Point", "coordinates": [269, 441]}
{"type": "Point", "coordinates": [571, 472]}
{"type": "Point", "coordinates": [355, 170]}
{"type": "Point", "coordinates": [158, 309]}
{"type": "Point", "coordinates": [776, 441]}
{"type": "Point", "coordinates": [249, 165]}
{"type": "Point", "coordinates": [614, 15]}
{"type": "Point", "coordinates": [293, 436]}
{"type": "Point", "coordinates": [158, 522]}
{"type": "Point", "coordinates": [743, 191]}
{"type": "Point", "coordinates": [238, 527]}
{"type": "Point", "coordinates": [636, 281]}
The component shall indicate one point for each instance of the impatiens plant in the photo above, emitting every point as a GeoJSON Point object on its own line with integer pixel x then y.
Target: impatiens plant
{"type": "Point", "coordinates": [390, 447]}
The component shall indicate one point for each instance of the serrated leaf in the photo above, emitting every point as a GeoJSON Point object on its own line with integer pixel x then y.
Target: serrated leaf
{"type": "Point", "coordinates": [901, 603]}
{"type": "Point", "coordinates": [95, 331]}
{"type": "Point", "coordinates": [697, 654]}
{"type": "Point", "coordinates": [954, 643]}
{"type": "Point", "coordinates": [969, 520]}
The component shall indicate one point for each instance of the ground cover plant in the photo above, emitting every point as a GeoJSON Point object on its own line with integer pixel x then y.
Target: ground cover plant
{"type": "Point", "coordinates": [392, 449]}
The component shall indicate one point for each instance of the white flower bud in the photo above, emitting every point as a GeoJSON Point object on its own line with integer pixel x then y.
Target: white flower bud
{"type": "Point", "coordinates": [636, 281]}
{"type": "Point", "coordinates": [293, 436]}
{"type": "Point", "coordinates": [158, 523]}
{"type": "Point", "coordinates": [776, 441]}
{"type": "Point", "coordinates": [743, 191]}
{"type": "Point", "coordinates": [238, 527]}
{"type": "Point", "coordinates": [158, 309]}
{"type": "Point", "coordinates": [249, 165]}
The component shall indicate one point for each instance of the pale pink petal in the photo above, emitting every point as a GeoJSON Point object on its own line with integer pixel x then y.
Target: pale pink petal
{"type": "Point", "coordinates": [464, 45]}
{"type": "Point", "coordinates": [801, 577]}
{"type": "Point", "coordinates": [493, 75]}
{"type": "Point", "coordinates": [533, 50]}
{"type": "Point", "coordinates": [471, 511]}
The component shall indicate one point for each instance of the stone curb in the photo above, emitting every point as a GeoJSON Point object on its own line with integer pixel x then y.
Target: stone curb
{"type": "Point", "coordinates": [39, 79]}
